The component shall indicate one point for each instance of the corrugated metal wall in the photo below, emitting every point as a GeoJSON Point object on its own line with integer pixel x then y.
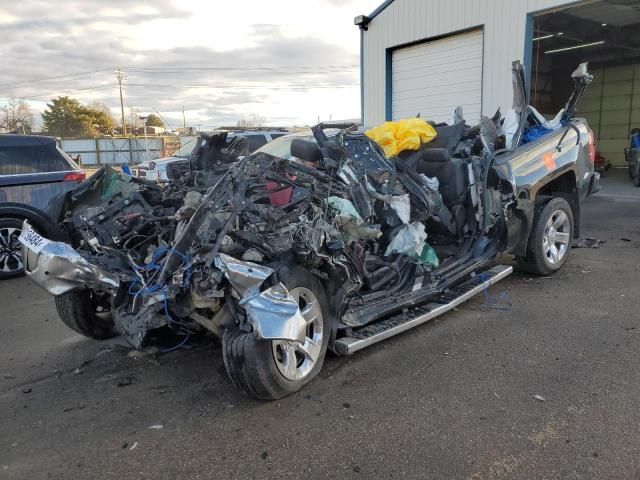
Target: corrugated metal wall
{"type": "Point", "coordinates": [116, 151]}
{"type": "Point", "coordinates": [406, 21]}
{"type": "Point", "coordinates": [427, 78]}
{"type": "Point", "coordinates": [612, 107]}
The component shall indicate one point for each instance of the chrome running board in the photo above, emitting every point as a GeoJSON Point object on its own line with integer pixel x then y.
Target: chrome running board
{"type": "Point", "coordinates": [376, 332]}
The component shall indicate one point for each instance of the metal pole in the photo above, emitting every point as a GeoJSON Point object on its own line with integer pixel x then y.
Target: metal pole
{"type": "Point", "coordinates": [121, 76]}
{"type": "Point", "coordinates": [97, 151]}
{"type": "Point", "coordinates": [146, 142]}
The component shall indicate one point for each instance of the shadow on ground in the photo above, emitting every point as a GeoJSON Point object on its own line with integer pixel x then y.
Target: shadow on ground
{"type": "Point", "coordinates": [544, 389]}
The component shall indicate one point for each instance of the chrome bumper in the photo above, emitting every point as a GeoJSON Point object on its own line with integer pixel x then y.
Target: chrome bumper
{"type": "Point", "coordinates": [58, 268]}
{"type": "Point", "coordinates": [273, 313]}
{"type": "Point", "coordinates": [594, 186]}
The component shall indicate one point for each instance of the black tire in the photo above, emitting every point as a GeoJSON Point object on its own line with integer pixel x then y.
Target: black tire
{"type": "Point", "coordinates": [537, 260]}
{"type": "Point", "coordinates": [87, 313]}
{"type": "Point", "coordinates": [251, 363]}
{"type": "Point", "coordinates": [10, 253]}
{"type": "Point", "coordinates": [636, 180]}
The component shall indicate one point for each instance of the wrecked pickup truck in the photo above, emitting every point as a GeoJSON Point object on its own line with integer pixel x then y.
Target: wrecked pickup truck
{"type": "Point", "coordinates": [317, 242]}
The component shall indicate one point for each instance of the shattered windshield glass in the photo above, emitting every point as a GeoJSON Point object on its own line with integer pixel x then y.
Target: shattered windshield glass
{"type": "Point", "coordinates": [280, 147]}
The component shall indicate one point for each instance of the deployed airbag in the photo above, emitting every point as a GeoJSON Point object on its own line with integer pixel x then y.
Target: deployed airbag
{"type": "Point", "coordinates": [395, 137]}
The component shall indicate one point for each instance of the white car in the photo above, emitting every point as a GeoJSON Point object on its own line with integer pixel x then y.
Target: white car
{"type": "Point", "coordinates": [156, 170]}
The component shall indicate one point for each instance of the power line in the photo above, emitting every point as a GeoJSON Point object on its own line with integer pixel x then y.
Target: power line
{"type": "Point", "coordinates": [198, 86]}
{"type": "Point", "coordinates": [45, 79]}
{"type": "Point", "coordinates": [161, 117]}
{"type": "Point", "coordinates": [298, 70]}
{"type": "Point", "coordinates": [292, 69]}
{"type": "Point", "coordinates": [274, 68]}
{"type": "Point", "coordinates": [64, 92]}
{"type": "Point", "coordinates": [288, 71]}
{"type": "Point", "coordinates": [236, 86]}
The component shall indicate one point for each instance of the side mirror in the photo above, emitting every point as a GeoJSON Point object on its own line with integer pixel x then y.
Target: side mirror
{"type": "Point", "coordinates": [305, 150]}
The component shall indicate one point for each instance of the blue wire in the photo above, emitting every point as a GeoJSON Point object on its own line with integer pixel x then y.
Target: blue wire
{"type": "Point", "coordinates": [175, 347]}
{"type": "Point", "coordinates": [168, 315]}
{"type": "Point", "coordinates": [154, 267]}
{"type": "Point", "coordinates": [489, 303]}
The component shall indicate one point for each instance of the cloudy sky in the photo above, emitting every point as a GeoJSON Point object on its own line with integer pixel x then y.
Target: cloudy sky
{"type": "Point", "coordinates": [289, 61]}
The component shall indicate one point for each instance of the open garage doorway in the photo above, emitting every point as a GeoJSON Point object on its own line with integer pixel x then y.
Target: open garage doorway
{"type": "Point", "coordinates": [605, 33]}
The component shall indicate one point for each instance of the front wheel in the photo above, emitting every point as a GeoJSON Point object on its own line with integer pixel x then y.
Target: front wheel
{"type": "Point", "coordinates": [636, 180]}
{"type": "Point", "coordinates": [272, 369]}
{"type": "Point", "coordinates": [87, 312]}
{"type": "Point", "coordinates": [550, 239]}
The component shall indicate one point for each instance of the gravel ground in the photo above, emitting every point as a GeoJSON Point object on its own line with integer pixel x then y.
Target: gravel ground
{"type": "Point", "coordinates": [545, 389]}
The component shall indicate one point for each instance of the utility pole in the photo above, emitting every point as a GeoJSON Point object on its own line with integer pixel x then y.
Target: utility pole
{"type": "Point", "coordinates": [184, 122]}
{"type": "Point", "coordinates": [146, 142]}
{"type": "Point", "coordinates": [120, 76]}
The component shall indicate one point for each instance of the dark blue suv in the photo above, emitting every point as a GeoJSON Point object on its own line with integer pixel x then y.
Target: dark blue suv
{"type": "Point", "coordinates": [34, 172]}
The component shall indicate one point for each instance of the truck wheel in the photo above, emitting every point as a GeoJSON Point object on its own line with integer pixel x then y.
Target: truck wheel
{"type": "Point", "coordinates": [272, 369]}
{"type": "Point", "coordinates": [550, 239]}
{"type": "Point", "coordinates": [87, 312]}
{"type": "Point", "coordinates": [10, 252]}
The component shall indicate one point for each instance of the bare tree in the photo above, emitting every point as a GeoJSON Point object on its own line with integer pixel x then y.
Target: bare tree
{"type": "Point", "coordinates": [254, 120]}
{"type": "Point", "coordinates": [16, 115]}
{"type": "Point", "coordinates": [100, 107]}
{"type": "Point", "coordinates": [133, 118]}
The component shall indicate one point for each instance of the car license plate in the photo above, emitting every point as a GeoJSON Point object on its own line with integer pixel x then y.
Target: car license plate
{"type": "Point", "coordinates": [32, 240]}
{"type": "Point", "coordinates": [151, 175]}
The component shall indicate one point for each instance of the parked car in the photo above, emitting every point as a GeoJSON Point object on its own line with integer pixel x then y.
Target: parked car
{"type": "Point", "coordinates": [318, 243]}
{"type": "Point", "coordinates": [258, 137]}
{"type": "Point", "coordinates": [33, 172]}
{"type": "Point", "coordinates": [632, 157]}
{"type": "Point", "coordinates": [156, 170]}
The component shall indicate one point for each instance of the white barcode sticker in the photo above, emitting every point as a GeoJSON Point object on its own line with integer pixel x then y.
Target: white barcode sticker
{"type": "Point", "coordinates": [32, 240]}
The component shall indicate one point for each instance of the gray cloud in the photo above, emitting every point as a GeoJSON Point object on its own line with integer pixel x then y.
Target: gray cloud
{"type": "Point", "coordinates": [47, 42]}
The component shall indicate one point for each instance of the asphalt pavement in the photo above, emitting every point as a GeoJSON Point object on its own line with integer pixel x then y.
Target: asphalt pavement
{"type": "Point", "coordinates": [542, 385]}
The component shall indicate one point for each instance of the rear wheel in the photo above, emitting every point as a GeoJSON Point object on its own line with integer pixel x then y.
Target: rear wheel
{"type": "Point", "coordinates": [87, 312]}
{"type": "Point", "coordinates": [272, 369]}
{"type": "Point", "coordinates": [550, 239]}
{"type": "Point", "coordinates": [10, 253]}
{"type": "Point", "coordinates": [634, 172]}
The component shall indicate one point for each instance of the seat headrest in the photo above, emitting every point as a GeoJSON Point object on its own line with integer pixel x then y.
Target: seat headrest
{"type": "Point", "coordinates": [413, 158]}
{"type": "Point", "coordinates": [448, 137]}
{"type": "Point", "coordinates": [305, 150]}
{"type": "Point", "coordinates": [439, 155]}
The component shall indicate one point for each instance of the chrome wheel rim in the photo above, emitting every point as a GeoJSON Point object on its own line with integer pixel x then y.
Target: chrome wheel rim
{"type": "Point", "coordinates": [100, 304]}
{"type": "Point", "coordinates": [557, 233]}
{"type": "Point", "coordinates": [295, 361]}
{"type": "Point", "coordinates": [10, 254]}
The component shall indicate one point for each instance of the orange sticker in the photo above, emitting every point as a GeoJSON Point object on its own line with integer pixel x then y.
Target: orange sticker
{"type": "Point", "coordinates": [549, 161]}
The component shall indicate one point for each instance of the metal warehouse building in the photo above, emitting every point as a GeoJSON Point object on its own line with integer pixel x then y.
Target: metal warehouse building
{"type": "Point", "coordinates": [429, 56]}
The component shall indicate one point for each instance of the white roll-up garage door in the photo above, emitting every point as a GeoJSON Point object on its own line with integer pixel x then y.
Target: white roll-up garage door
{"type": "Point", "coordinates": [433, 78]}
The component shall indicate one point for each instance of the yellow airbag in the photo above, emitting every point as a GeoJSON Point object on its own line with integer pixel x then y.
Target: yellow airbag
{"type": "Point", "coordinates": [395, 137]}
